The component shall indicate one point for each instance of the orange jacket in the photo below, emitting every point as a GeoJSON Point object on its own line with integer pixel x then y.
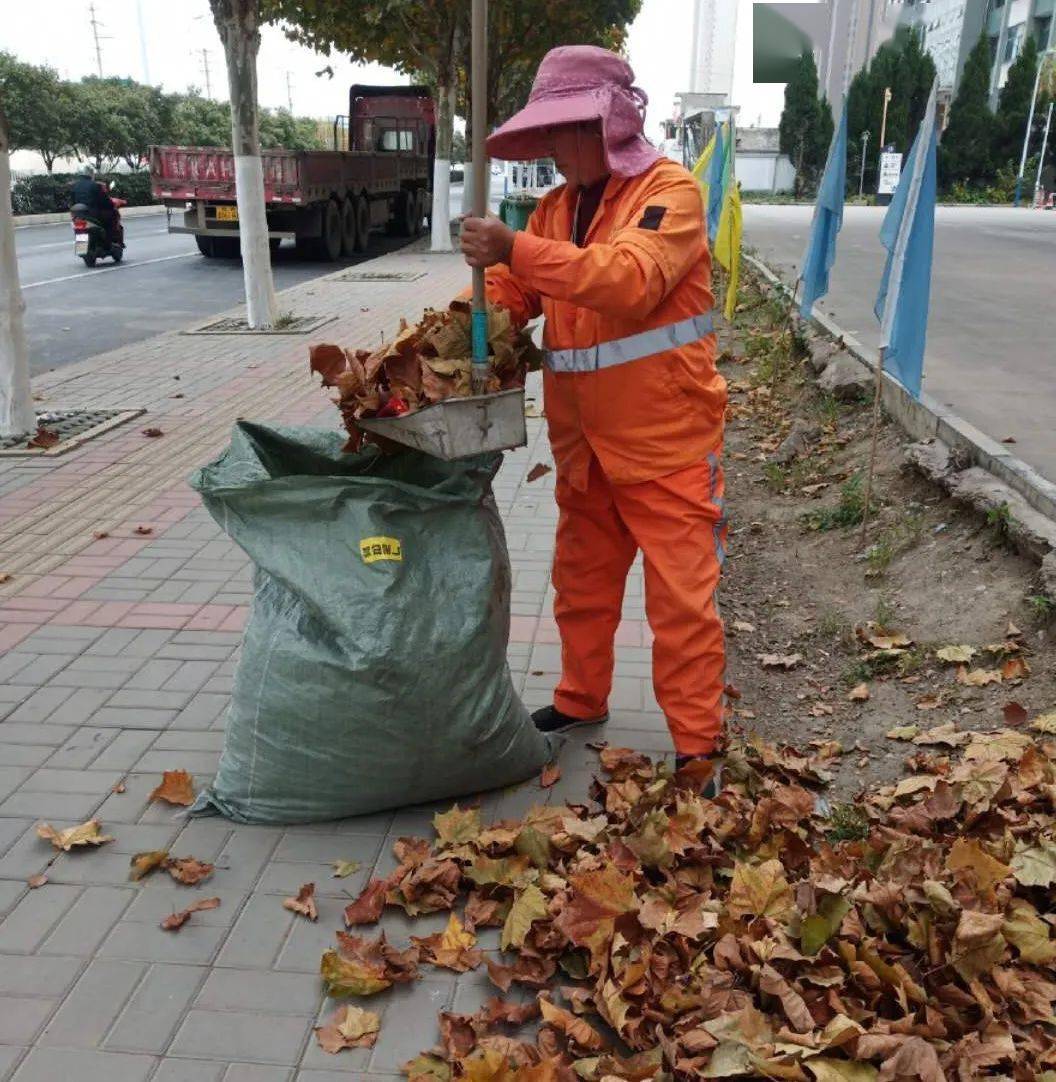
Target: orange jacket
{"type": "Point", "coordinates": [645, 265]}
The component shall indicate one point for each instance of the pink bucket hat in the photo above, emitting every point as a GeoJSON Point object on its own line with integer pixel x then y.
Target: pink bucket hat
{"type": "Point", "coordinates": [580, 83]}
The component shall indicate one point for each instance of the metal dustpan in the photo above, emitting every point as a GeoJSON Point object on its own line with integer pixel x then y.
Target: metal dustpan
{"type": "Point", "coordinates": [458, 427]}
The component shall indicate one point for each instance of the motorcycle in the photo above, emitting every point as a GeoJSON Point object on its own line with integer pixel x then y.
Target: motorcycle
{"type": "Point", "coordinates": [91, 241]}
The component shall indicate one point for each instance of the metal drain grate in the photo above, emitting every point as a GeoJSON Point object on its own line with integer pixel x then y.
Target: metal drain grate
{"type": "Point", "coordinates": [290, 325]}
{"type": "Point", "coordinates": [380, 276]}
{"type": "Point", "coordinates": [72, 427]}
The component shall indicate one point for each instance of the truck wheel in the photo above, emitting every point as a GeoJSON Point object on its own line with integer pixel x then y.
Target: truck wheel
{"type": "Point", "coordinates": [205, 246]}
{"type": "Point", "coordinates": [329, 244]}
{"type": "Point", "coordinates": [227, 247]}
{"type": "Point", "coordinates": [348, 226]}
{"type": "Point", "coordinates": [274, 244]}
{"type": "Point", "coordinates": [362, 223]}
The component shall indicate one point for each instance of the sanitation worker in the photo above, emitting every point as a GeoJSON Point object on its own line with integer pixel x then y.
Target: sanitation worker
{"type": "Point", "coordinates": [616, 259]}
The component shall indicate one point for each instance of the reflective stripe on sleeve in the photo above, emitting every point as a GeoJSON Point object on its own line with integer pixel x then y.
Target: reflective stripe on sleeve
{"type": "Point", "coordinates": [632, 348]}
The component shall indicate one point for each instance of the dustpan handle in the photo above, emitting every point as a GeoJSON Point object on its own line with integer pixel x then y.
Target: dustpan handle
{"type": "Point", "coordinates": [478, 100]}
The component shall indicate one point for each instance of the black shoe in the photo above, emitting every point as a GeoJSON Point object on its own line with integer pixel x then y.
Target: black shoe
{"type": "Point", "coordinates": [713, 786]}
{"type": "Point", "coordinates": [550, 720]}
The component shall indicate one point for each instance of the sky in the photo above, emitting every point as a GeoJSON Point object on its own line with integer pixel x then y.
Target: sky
{"type": "Point", "coordinates": [170, 48]}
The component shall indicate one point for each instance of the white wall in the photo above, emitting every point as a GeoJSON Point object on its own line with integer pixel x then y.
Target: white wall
{"type": "Point", "coordinates": [765, 172]}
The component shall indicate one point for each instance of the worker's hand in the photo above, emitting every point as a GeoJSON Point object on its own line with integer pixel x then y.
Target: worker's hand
{"type": "Point", "coordinates": [486, 241]}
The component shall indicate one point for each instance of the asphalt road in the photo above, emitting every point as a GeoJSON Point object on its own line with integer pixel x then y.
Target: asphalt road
{"type": "Point", "coordinates": [162, 284]}
{"type": "Point", "coordinates": [991, 349]}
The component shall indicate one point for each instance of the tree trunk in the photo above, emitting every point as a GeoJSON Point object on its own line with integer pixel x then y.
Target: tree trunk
{"type": "Point", "coordinates": [445, 119]}
{"type": "Point", "coordinates": [237, 22]}
{"type": "Point", "coordinates": [17, 417]}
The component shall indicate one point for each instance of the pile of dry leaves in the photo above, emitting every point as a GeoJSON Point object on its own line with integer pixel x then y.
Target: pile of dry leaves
{"type": "Point", "coordinates": [423, 364]}
{"type": "Point", "coordinates": [663, 935]}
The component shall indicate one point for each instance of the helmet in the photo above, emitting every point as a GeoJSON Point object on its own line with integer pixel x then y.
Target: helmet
{"type": "Point", "coordinates": [87, 170]}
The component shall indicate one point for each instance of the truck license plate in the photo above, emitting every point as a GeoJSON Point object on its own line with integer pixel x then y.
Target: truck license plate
{"type": "Point", "coordinates": [227, 214]}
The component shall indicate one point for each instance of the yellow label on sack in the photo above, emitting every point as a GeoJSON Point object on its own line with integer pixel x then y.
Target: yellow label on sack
{"type": "Point", "coordinates": [374, 549]}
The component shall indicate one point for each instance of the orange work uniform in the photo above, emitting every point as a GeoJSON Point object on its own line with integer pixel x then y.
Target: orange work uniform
{"type": "Point", "coordinates": [635, 411]}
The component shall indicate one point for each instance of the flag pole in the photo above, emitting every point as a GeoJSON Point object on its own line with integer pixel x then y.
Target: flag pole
{"type": "Point", "coordinates": [877, 394]}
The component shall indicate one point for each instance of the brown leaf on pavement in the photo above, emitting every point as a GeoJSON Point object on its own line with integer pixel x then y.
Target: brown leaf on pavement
{"type": "Point", "coordinates": [44, 438]}
{"type": "Point", "coordinates": [176, 921]}
{"type": "Point", "coordinates": [348, 1027]}
{"type": "Point", "coordinates": [453, 948]}
{"type": "Point", "coordinates": [153, 433]}
{"type": "Point", "coordinates": [89, 833]}
{"type": "Point", "coordinates": [366, 909]}
{"type": "Point", "coordinates": [779, 661]}
{"type": "Point", "coordinates": [36, 881]}
{"type": "Point", "coordinates": [177, 787]}
{"type": "Point", "coordinates": [304, 903]}
{"type": "Point", "coordinates": [188, 870]}
{"type": "Point", "coordinates": [550, 776]}
{"type": "Point", "coordinates": [540, 469]}
{"type": "Point", "coordinates": [142, 864]}
{"type": "Point", "coordinates": [1014, 713]}
{"type": "Point", "coordinates": [143, 531]}
{"type": "Point", "coordinates": [859, 693]}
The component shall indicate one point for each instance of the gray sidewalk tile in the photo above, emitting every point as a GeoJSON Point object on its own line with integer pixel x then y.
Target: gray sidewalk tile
{"type": "Point", "coordinates": [32, 975]}
{"type": "Point", "coordinates": [152, 675]}
{"type": "Point", "coordinates": [9, 1056]}
{"type": "Point", "coordinates": [156, 1008]}
{"type": "Point", "coordinates": [198, 763]}
{"type": "Point", "coordinates": [202, 711]}
{"type": "Point", "coordinates": [41, 670]}
{"type": "Point", "coordinates": [53, 1064]}
{"type": "Point", "coordinates": [82, 749]}
{"type": "Point", "coordinates": [17, 732]}
{"type": "Point", "coordinates": [251, 1037]}
{"type": "Point", "coordinates": [113, 717]}
{"type": "Point", "coordinates": [194, 944]}
{"type": "Point", "coordinates": [256, 1072]}
{"type": "Point", "coordinates": [85, 782]}
{"type": "Point", "coordinates": [413, 1010]}
{"type": "Point", "coordinates": [188, 1070]}
{"type": "Point", "coordinates": [79, 707]}
{"type": "Point", "coordinates": [23, 754]}
{"type": "Point", "coordinates": [91, 917]}
{"type": "Point", "coordinates": [26, 855]}
{"type": "Point", "coordinates": [29, 923]}
{"type": "Point", "coordinates": [153, 700]}
{"type": "Point", "coordinates": [124, 750]}
{"type": "Point", "coordinates": [257, 935]}
{"type": "Point", "coordinates": [162, 896]}
{"type": "Point", "coordinates": [268, 992]}
{"type": "Point", "coordinates": [13, 778]}
{"type": "Point", "coordinates": [52, 806]}
{"type": "Point", "coordinates": [89, 1011]}
{"type": "Point", "coordinates": [21, 1019]}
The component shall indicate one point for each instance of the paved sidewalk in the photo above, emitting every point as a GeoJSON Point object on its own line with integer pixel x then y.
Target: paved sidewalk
{"type": "Point", "coordinates": [117, 660]}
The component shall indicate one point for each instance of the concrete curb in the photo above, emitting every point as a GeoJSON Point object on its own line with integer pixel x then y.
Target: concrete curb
{"type": "Point", "coordinates": [928, 419]}
{"type": "Point", "coordinates": [25, 221]}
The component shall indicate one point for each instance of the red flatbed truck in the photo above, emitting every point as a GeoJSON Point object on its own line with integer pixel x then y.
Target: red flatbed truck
{"type": "Point", "coordinates": [379, 175]}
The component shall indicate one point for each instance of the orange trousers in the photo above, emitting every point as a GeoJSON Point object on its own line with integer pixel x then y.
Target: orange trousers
{"type": "Point", "coordinates": [678, 523]}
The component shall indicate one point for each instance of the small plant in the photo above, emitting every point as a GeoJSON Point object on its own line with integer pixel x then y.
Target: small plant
{"type": "Point", "coordinates": [848, 512]}
{"type": "Point", "coordinates": [1042, 607]}
{"type": "Point", "coordinates": [848, 823]}
{"type": "Point", "coordinates": [835, 628]}
{"type": "Point", "coordinates": [999, 519]}
{"type": "Point", "coordinates": [880, 554]}
{"type": "Point", "coordinates": [775, 476]}
{"type": "Point", "coordinates": [826, 408]}
{"type": "Point", "coordinates": [884, 612]}
{"type": "Point", "coordinates": [895, 540]}
{"type": "Point", "coordinates": [911, 661]}
{"type": "Point", "coordinates": [284, 320]}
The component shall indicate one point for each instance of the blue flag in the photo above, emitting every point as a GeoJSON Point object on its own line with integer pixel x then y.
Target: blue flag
{"type": "Point", "coordinates": [828, 219]}
{"type": "Point", "coordinates": [716, 185]}
{"type": "Point", "coordinates": [908, 234]}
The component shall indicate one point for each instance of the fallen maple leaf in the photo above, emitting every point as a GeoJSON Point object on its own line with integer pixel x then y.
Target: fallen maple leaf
{"type": "Point", "coordinates": [36, 881]}
{"type": "Point", "coordinates": [540, 469]}
{"type": "Point", "coordinates": [1014, 714]}
{"type": "Point", "coordinates": [859, 693]}
{"type": "Point", "coordinates": [760, 890]}
{"type": "Point", "coordinates": [348, 1027]}
{"type": "Point", "coordinates": [453, 948]}
{"type": "Point", "coordinates": [304, 903]}
{"type": "Point", "coordinates": [177, 787]}
{"type": "Point", "coordinates": [529, 906]}
{"type": "Point", "coordinates": [88, 833]}
{"type": "Point", "coordinates": [581, 1035]}
{"type": "Point", "coordinates": [153, 433]}
{"type": "Point", "coordinates": [457, 825]}
{"type": "Point", "coordinates": [176, 921]}
{"type": "Point", "coordinates": [366, 909]}
{"type": "Point", "coordinates": [956, 654]}
{"type": "Point", "coordinates": [978, 678]}
{"type": "Point", "coordinates": [779, 661]}
{"type": "Point", "coordinates": [143, 531]}
{"type": "Point", "coordinates": [1015, 668]}
{"type": "Point", "coordinates": [345, 868]}
{"type": "Point", "coordinates": [882, 638]}
{"type": "Point", "coordinates": [5, 576]}
{"type": "Point", "coordinates": [44, 438]}
{"type": "Point", "coordinates": [119, 788]}
{"type": "Point", "coordinates": [550, 776]}
{"type": "Point", "coordinates": [188, 870]}
{"type": "Point", "coordinates": [142, 864]}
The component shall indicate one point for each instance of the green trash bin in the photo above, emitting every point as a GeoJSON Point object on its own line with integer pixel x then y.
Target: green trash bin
{"type": "Point", "coordinates": [516, 210]}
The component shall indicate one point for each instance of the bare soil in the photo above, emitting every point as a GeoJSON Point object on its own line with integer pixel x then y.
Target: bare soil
{"type": "Point", "coordinates": [799, 581]}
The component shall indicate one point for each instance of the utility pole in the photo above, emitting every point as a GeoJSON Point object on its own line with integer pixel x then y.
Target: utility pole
{"type": "Point", "coordinates": [861, 175]}
{"type": "Point", "coordinates": [205, 73]}
{"type": "Point", "coordinates": [95, 24]}
{"type": "Point", "coordinates": [289, 93]}
{"type": "Point", "coordinates": [1044, 147]}
{"type": "Point", "coordinates": [1046, 57]}
{"type": "Point", "coordinates": [883, 122]}
{"type": "Point", "coordinates": [143, 59]}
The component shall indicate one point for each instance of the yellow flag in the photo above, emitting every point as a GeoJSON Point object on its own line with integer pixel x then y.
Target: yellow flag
{"type": "Point", "coordinates": [700, 170]}
{"type": "Point", "coordinates": [728, 243]}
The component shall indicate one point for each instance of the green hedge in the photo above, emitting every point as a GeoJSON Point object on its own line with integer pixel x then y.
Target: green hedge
{"type": "Point", "coordinates": [49, 193]}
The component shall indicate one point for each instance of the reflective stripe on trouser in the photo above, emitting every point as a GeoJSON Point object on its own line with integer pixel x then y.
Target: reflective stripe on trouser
{"type": "Point", "coordinates": [677, 522]}
{"type": "Point", "coordinates": [631, 348]}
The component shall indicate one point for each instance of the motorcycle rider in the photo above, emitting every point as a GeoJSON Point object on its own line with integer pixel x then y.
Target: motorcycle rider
{"type": "Point", "coordinates": [93, 195]}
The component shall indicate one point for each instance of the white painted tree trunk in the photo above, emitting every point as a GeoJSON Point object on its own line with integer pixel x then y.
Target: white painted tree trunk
{"type": "Point", "coordinates": [17, 417]}
{"type": "Point", "coordinates": [237, 22]}
{"type": "Point", "coordinates": [445, 119]}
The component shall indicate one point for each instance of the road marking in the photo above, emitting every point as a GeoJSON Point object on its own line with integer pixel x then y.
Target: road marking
{"type": "Point", "coordinates": [106, 270]}
{"type": "Point", "coordinates": [63, 243]}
